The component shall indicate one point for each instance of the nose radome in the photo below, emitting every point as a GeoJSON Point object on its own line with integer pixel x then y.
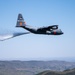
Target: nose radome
{"type": "Point", "coordinates": [62, 33]}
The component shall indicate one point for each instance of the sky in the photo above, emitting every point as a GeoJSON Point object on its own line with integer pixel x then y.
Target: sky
{"type": "Point", "coordinates": [38, 13]}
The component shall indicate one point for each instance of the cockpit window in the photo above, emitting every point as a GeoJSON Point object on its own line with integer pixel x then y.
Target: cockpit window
{"type": "Point", "coordinates": [59, 29]}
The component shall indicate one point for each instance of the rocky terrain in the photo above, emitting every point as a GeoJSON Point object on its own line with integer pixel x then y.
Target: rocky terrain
{"type": "Point", "coordinates": [66, 72]}
{"type": "Point", "coordinates": [33, 67]}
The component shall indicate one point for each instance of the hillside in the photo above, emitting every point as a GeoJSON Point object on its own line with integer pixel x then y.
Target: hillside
{"type": "Point", "coordinates": [33, 67]}
{"type": "Point", "coordinates": [66, 72]}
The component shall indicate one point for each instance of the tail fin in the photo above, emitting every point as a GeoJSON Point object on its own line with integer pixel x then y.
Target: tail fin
{"type": "Point", "coordinates": [20, 21]}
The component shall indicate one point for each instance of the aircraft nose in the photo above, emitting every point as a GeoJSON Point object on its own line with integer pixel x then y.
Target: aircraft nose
{"type": "Point", "coordinates": [62, 33]}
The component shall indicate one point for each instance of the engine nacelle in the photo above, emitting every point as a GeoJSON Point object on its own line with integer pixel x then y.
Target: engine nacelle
{"type": "Point", "coordinates": [54, 27]}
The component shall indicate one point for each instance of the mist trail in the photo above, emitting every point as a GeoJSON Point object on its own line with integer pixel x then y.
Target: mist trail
{"type": "Point", "coordinates": [7, 34]}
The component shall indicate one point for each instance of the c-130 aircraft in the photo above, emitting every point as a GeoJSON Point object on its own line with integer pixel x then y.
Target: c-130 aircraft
{"type": "Point", "coordinates": [49, 30]}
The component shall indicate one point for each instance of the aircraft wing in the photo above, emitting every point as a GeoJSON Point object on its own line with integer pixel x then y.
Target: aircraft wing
{"type": "Point", "coordinates": [12, 35]}
{"type": "Point", "coordinates": [53, 27]}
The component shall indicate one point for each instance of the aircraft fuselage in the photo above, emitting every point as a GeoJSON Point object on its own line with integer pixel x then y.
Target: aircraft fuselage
{"type": "Point", "coordinates": [42, 31]}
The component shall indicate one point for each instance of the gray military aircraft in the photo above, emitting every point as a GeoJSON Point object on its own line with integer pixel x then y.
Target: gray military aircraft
{"type": "Point", "coordinates": [49, 30]}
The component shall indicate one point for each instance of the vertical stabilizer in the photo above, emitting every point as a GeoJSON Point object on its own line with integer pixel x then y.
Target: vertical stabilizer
{"type": "Point", "coordinates": [20, 21]}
